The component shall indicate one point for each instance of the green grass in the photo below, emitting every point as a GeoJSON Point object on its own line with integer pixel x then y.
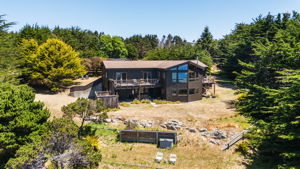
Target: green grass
{"type": "Point", "coordinates": [102, 131]}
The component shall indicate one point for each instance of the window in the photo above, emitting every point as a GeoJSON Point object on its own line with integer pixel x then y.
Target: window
{"type": "Point", "coordinates": [174, 77]}
{"type": "Point", "coordinates": [192, 91]}
{"type": "Point", "coordinates": [121, 76]}
{"type": "Point", "coordinates": [183, 67]}
{"type": "Point", "coordinates": [163, 75]}
{"type": "Point", "coordinates": [173, 68]}
{"type": "Point", "coordinates": [174, 92]}
{"type": "Point", "coordinates": [193, 76]}
{"type": "Point", "coordinates": [147, 75]}
{"type": "Point", "coordinates": [182, 77]}
{"type": "Point", "coordinates": [182, 92]}
{"type": "Point", "coordinates": [158, 75]}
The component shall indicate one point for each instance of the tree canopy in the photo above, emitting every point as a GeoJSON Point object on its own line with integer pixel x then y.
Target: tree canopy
{"type": "Point", "coordinates": [52, 64]}
{"type": "Point", "coordinates": [21, 118]}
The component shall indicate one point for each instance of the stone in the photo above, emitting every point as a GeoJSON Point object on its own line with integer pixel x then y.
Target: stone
{"type": "Point", "coordinates": [203, 130]}
{"type": "Point", "coordinates": [218, 134]}
{"type": "Point", "coordinates": [213, 141]}
{"type": "Point", "coordinates": [192, 130]}
{"type": "Point", "coordinates": [108, 120]}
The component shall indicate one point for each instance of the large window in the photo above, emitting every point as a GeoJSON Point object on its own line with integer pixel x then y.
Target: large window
{"type": "Point", "coordinates": [182, 77]}
{"type": "Point", "coordinates": [183, 67]}
{"type": "Point", "coordinates": [173, 68]}
{"type": "Point", "coordinates": [182, 92]}
{"type": "Point", "coordinates": [121, 76]}
{"type": "Point", "coordinates": [174, 77]}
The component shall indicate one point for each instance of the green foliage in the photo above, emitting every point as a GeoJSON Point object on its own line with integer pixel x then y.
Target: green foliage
{"type": "Point", "coordinates": [8, 61]}
{"type": "Point", "coordinates": [56, 143]}
{"type": "Point", "coordinates": [136, 101]}
{"type": "Point", "coordinates": [145, 101]}
{"type": "Point", "coordinates": [240, 44]}
{"type": "Point", "coordinates": [112, 47]}
{"type": "Point", "coordinates": [85, 108]}
{"type": "Point", "coordinates": [124, 104]}
{"type": "Point", "coordinates": [53, 64]}
{"type": "Point", "coordinates": [138, 45]}
{"type": "Point", "coordinates": [165, 102]}
{"type": "Point", "coordinates": [207, 43]}
{"type": "Point", "coordinates": [183, 52]}
{"type": "Point", "coordinates": [21, 119]}
{"type": "Point", "coordinates": [269, 92]}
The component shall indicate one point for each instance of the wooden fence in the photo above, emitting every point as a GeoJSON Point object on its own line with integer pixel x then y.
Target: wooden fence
{"type": "Point", "coordinates": [145, 136]}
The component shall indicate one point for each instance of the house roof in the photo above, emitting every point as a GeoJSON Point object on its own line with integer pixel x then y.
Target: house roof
{"type": "Point", "coordinates": [158, 64]}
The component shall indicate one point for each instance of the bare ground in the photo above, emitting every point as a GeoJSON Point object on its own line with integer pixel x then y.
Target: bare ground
{"type": "Point", "coordinates": [195, 113]}
{"type": "Point", "coordinates": [54, 102]}
{"type": "Point", "coordinates": [193, 151]}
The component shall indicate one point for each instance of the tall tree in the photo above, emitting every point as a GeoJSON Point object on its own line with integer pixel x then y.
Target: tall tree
{"type": "Point", "coordinates": [20, 118]}
{"type": "Point", "coordinates": [112, 47]}
{"type": "Point", "coordinates": [8, 53]}
{"type": "Point", "coordinates": [54, 64]}
{"type": "Point", "coordinates": [269, 93]}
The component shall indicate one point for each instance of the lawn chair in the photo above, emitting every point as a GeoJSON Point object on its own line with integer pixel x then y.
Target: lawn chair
{"type": "Point", "coordinates": [172, 158]}
{"type": "Point", "coordinates": [159, 157]}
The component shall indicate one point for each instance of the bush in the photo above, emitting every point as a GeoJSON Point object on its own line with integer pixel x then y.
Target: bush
{"type": "Point", "coordinates": [156, 101]}
{"type": "Point", "coordinates": [124, 104]}
{"type": "Point", "coordinates": [146, 101]}
{"type": "Point", "coordinates": [135, 101]}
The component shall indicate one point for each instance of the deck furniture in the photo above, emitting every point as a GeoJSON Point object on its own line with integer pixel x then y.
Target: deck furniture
{"type": "Point", "coordinates": [159, 157]}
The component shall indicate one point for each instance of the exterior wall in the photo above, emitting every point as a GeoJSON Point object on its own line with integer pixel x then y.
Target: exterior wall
{"type": "Point", "coordinates": [165, 92]}
{"type": "Point", "coordinates": [198, 86]}
{"type": "Point", "coordinates": [170, 85]}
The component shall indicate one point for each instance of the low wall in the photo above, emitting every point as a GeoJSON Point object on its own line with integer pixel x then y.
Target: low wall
{"type": "Point", "coordinates": [87, 91]}
{"type": "Point", "coordinates": [145, 136]}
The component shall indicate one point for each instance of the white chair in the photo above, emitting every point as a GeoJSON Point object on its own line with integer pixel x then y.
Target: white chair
{"type": "Point", "coordinates": [159, 157]}
{"type": "Point", "coordinates": [172, 158]}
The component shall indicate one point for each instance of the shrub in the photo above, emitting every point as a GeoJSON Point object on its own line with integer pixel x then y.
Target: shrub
{"type": "Point", "coordinates": [124, 104]}
{"type": "Point", "coordinates": [156, 101]}
{"type": "Point", "coordinates": [146, 101]}
{"type": "Point", "coordinates": [135, 101]}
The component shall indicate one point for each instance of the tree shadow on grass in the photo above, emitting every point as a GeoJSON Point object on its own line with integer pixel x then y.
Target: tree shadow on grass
{"type": "Point", "coordinates": [223, 80]}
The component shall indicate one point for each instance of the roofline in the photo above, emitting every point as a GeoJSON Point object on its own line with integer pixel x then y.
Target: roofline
{"type": "Point", "coordinates": [186, 61]}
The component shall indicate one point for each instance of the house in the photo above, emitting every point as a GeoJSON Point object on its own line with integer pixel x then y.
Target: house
{"type": "Point", "coordinates": [173, 80]}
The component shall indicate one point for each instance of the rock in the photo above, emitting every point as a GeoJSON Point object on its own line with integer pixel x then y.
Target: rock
{"type": "Point", "coordinates": [205, 134]}
{"type": "Point", "coordinates": [203, 130]}
{"type": "Point", "coordinates": [213, 141]}
{"type": "Point", "coordinates": [218, 134]}
{"type": "Point", "coordinates": [108, 120]}
{"type": "Point", "coordinates": [173, 125]}
{"type": "Point", "coordinates": [192, 130]}
{"type": "Point", "coordinates": [119, 118]}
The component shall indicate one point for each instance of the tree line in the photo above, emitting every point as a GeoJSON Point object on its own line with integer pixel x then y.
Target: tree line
{"type": "Point", "coordinates": [262, 57]}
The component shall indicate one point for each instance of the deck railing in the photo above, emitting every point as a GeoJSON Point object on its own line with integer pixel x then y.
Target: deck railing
{"type": "Point", "coordinates": [135, 82]}
{"type": "Point", "coordinates": [208, 80]}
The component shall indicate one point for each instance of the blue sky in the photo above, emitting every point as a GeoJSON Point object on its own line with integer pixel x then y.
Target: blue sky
{"type": "Point", "coordinates": [186, 18]}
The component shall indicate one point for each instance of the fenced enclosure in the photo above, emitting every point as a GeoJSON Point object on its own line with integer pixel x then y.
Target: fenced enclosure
{"type": "Point", "coordinates": [144, 136]}
{"type": "Point", "coordinates": [110, 101]}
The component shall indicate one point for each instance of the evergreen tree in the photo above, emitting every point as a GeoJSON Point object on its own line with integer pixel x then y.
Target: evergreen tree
{"type": "Point", "coordinates": [21, 118]}
{"type": "Point", "coordinates": [54, 64]}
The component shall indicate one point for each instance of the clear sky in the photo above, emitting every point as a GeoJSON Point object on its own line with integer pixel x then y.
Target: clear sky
{"type": "Point", "coordinates": [186, 18]}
